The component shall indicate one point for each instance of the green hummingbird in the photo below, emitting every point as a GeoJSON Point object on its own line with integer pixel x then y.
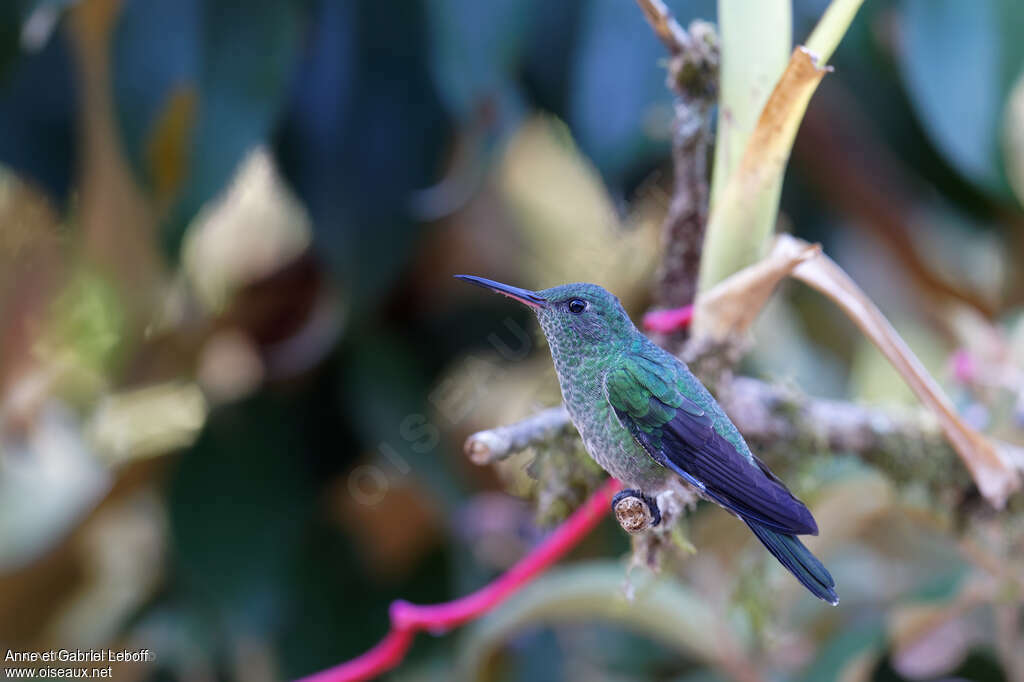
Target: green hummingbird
{"type": "Point", "coordinates": [644, 416]}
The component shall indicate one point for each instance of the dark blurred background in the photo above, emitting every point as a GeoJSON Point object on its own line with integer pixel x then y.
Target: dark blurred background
{"type": "Point", "coordinates": [236, 373]}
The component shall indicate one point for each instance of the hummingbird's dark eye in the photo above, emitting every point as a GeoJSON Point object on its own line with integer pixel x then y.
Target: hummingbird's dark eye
{"type": "Point", "coordinates": [577, 306]}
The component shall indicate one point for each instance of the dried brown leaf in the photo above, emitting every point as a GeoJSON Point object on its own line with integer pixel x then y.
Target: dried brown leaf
{"type": "Point", "coordinates": [995, 476]}
{"type": "Point", "coordinates": [728, 310]}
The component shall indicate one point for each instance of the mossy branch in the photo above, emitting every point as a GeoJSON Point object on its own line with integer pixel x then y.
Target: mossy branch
{"type": "Point", "coordinates": [907, 445]}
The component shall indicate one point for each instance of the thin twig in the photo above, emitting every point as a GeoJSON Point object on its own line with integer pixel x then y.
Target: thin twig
{"type": "Point", "coordinates": [665, 25]}
{"type": "Point", "coordinates": [693, 81]}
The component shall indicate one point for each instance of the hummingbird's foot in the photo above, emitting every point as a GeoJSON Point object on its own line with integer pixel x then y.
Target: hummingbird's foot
{"type": "Point", "coordinates": [655, 511]}
{"type": "Point", "coordinates": [635, 511]}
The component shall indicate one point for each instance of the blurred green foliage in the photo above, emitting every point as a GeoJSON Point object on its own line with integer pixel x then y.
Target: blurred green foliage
{"type": "Point", "coordinates": [235, 60]}
{"type": "Point", "coordinates": [366, 106]}
{"type": "Point", "coordinates": [960, 62]}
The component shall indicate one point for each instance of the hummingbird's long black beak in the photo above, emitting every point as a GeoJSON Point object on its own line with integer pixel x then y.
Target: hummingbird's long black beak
{"type": "Point", "coordinates": [526, 296]}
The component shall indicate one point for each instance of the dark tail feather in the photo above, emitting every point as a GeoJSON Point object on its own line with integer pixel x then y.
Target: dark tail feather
{"type": "Point", "coordinates": [792, 554]}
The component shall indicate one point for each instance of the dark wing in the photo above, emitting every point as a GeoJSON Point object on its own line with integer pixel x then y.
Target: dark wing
{"type": "Point", "coordinates": [679, 435]}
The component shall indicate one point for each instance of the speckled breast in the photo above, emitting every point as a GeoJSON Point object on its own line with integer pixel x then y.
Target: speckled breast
{"type": "Point", "coordinates": [608, 442]}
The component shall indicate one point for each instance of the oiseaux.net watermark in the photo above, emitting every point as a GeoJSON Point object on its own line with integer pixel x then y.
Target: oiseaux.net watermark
{"type": "Point", "coordinates": [70, 663]}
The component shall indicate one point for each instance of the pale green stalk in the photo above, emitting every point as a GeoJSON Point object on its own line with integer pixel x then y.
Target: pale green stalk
{"type": "Point", "coordinates": [744, 210]}
{"type": "Point", "coordinates": [831, 28]}
{"type": "Point", "coordinates": [756, 39]}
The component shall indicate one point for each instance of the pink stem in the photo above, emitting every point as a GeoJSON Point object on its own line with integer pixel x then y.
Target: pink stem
{"type": "Point", "coordinates": [668, 321]}
{"type": "Point", "coordinates": [386, 654]}
{"type": "Point", "coordinates": [407, 619]}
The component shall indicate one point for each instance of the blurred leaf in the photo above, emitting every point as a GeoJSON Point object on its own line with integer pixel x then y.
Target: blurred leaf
{"type": "Point", "coordinates": [149, 421]}
{"type": "Point", "coordinates": [620, 109]}
{"type": "Point", "coordinates": [547, 60]}
{"type": "Point", "coordinates": [1013, 133]}
{"type": "Point", "coordinates": [476, 49]}
{"type": "Point", "coordinates": [26, 26]}
{"type": "Point", "coordinates": [959, 61]}
{"type": "Point", "coordinates": [928, 640]}
{"type": "Point", "coordinates": [86, 327]}
{"type": "Point", "coordinates": [942, 585]}
{"type": "Point", "coordinates": [49, 480]}
{"type": "Point", "coordinates": [850, 647]}
{"type": "Point", "coordinates": [238, 502]}
{"type": "Point", "coordinates": [981, 665]}
{"type": "Point", "coordinates": [122, 546]}
{"type": "Point", "coordinates": [38, 112]}
{"type": "Point", "coordinates": [145, 79]}
{"type": "Point", "coordinates": [663, 609]}
{"type": "Point", "coordinates": [476, 53]}
{"type": "Point", "coordinates": [10, 28]}
{"type": "Point", "coordinates": [385, 392]}
{"type": "Point", "coordinates": [193, 108]}
{"type": "Point", "coordinates": [363, 130]}
{"type": "Point", "coordinates": [567, 219]}
{"type": "Point", "coordinates": [167, 155]}
{"type": "Point", "coordinates": [254, 229]}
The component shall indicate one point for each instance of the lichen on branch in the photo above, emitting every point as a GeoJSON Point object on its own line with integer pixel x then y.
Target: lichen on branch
{"type": "Point", "coordinates": [784, 424]}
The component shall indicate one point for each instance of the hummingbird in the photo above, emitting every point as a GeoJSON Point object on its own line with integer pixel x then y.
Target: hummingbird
{"type": "Point", "coordinates": [643, 417]}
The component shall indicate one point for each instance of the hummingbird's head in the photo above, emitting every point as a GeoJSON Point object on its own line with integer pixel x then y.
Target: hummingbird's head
{"type": "Point", "coordinates": [574, 317]}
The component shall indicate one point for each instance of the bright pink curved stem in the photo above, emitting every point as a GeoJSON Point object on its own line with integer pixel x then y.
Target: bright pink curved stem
{"type": "Point", "coordinates": [388, 653]}
{"type": "Point", "coordinates": [668, 321]}
{"type": "Point", "coordinates": [444, 616]}
{"type": "Point", "coordinates": [408, 619]}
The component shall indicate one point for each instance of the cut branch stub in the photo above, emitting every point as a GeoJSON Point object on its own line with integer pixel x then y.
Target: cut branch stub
{"type": "Point", "coordinates": [633, 514]}
{"type": "Point", "coordinates": [492, 445]}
